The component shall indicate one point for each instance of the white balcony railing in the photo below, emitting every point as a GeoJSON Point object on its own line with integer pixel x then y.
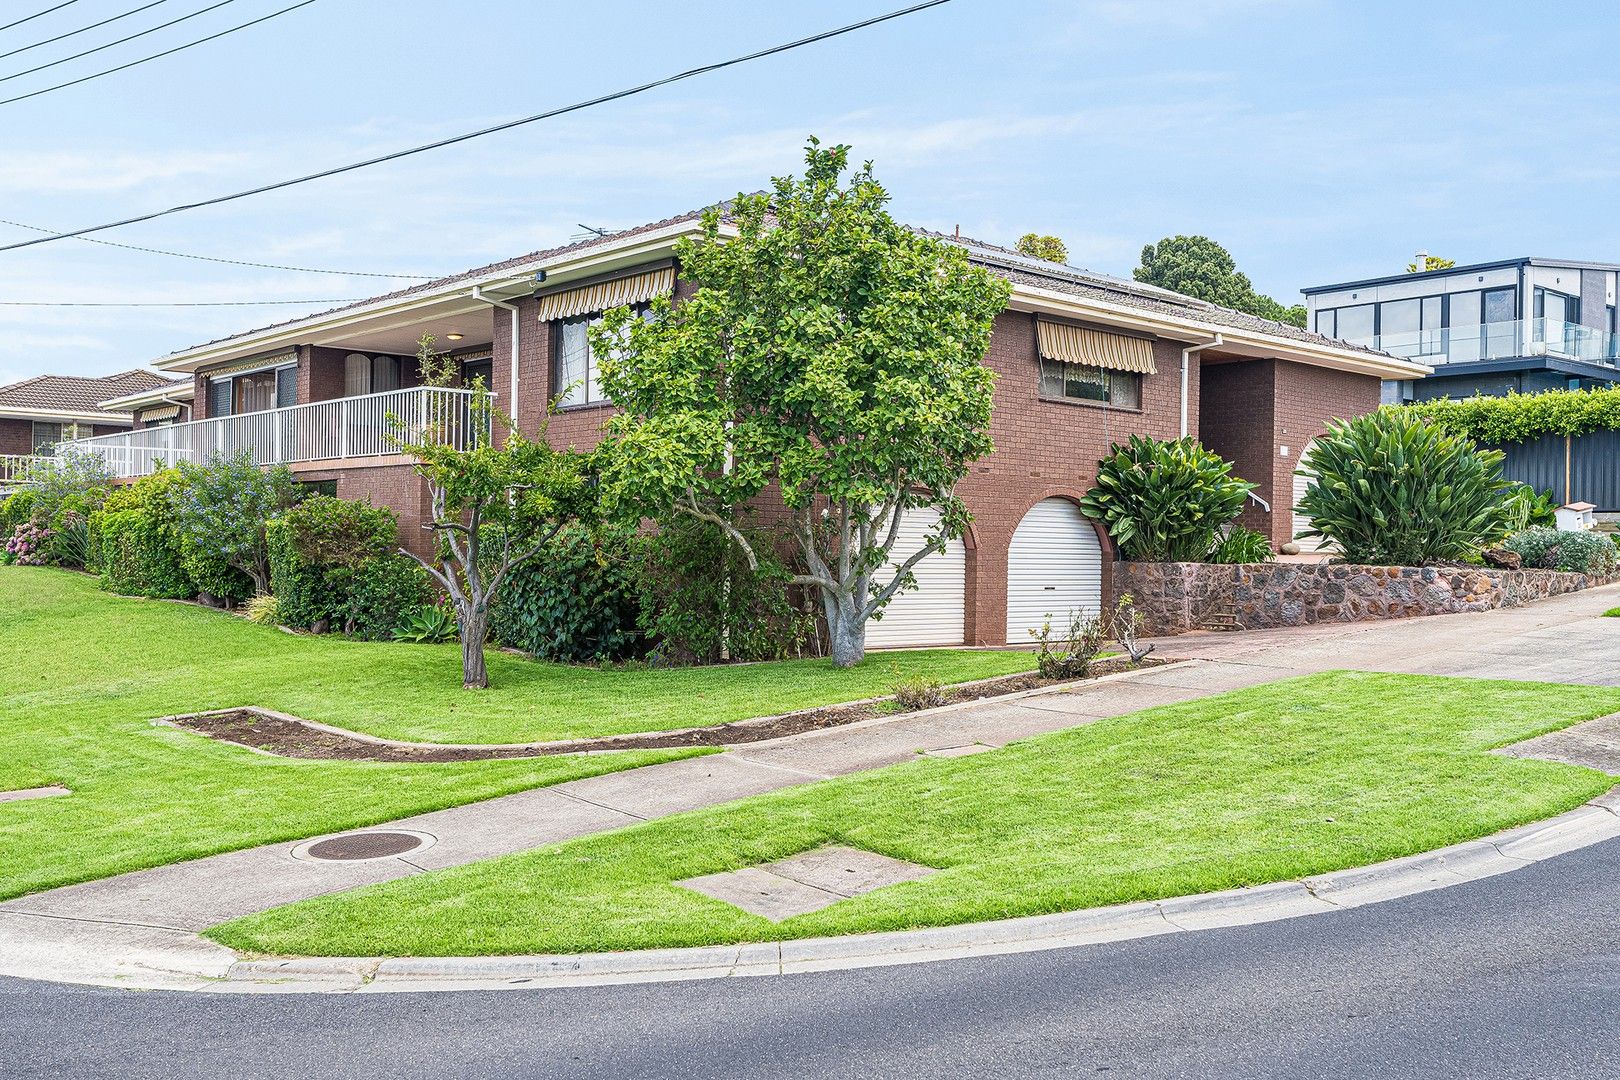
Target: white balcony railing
{"type": "Point", "coordinates": [353, 427]}
{"type": "Point", "coordinates": [14, 469]}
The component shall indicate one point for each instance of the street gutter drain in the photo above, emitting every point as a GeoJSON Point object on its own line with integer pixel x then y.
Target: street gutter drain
{"type": "Point", "coordinates": [366, 845]}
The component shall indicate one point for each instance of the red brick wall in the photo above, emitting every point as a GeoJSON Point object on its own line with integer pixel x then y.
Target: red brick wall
{"type": "Point", "coordinates": [1307, 398]}
{"type": "Point", "coordinates": [320, 373]}
{"type": "Point", "coordinates": [16, 436]}
{"type": "Point", "coordinates": [1237, 423]}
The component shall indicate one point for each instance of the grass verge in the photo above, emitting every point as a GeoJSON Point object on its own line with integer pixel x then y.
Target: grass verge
{"type": "Point", "coordinates": [1292, 778]}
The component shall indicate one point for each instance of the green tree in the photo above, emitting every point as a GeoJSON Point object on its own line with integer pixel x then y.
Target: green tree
{"type": "Point", "coordinates": [494, 508]}
{"type": "Point", "coordinates": [1049, 248]}
{"type": "Point", "coordinates": [828, 353]}
{"type": "Point", "coordinates": [1199, 267]}
{"type": "Point", "coordinates": [222, 507]}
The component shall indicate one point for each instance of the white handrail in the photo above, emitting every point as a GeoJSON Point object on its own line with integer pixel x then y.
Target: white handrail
{"type": "Point", "coordinates": [331, 430]}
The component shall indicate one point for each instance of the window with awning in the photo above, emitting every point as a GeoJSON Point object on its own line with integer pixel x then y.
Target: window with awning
{"type": "Point", "coordinates": [1072, 344]}
{"type": "Point", "coordinates": [616, 292]}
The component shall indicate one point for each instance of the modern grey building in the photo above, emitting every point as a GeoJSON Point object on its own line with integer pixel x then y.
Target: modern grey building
{"type": "Point", "coordinates": [1522, 325]}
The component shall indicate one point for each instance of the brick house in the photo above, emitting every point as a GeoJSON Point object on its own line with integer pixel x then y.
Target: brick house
{"type": "Point", "coordinates": [37, 414]}
{"type": "Point", "coordinates": [1082, 359]}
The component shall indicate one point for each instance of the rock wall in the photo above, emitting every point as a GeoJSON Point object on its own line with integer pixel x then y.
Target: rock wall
{"type": "Point", "coordinates": [1177, 597]}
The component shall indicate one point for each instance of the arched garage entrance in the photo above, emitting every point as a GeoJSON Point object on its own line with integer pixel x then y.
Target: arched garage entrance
{"type": "Point", "coordinates": [1054, 566]}
{"type": "Point", "coordinates": [934, 613]}
{"type": "Point", "coordinates": [1299, 521]}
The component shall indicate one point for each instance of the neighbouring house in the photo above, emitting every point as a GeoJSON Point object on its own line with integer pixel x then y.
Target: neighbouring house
{"type": "Point", "coordinates": [1517, 325]}
{"type": "Point", "coordinates": [37, 414]}
{"type": "Point", "coordinates": [1083, 360]}
{"type": "Point", "coordinates": [169, 402]}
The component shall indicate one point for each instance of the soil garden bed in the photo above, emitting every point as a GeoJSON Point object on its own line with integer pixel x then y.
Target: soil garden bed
{"type": "Point", "coordinates": [288, 736]}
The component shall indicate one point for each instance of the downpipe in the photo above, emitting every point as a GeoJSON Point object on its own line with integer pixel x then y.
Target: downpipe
{"type": "Point", "coordinates": [1186, 365]}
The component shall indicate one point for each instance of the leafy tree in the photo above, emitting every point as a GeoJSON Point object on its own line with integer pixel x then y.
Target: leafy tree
{"type": "Point", "coordinates": [494, 508]}
{"type": "Point", "coordinates": [1431, 262]}
{"type": "Point", "coordinates": [222, 508]}
{"type": "Point", "coordinates": [829, 354]}
{"type": "Point", "coordinates": [1201, 268]}
{"type": "Point", "coordinates": [1049, 248]}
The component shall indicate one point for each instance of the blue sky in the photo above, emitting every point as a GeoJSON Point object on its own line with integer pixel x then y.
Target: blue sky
{"type": "Point", "coordinates": [1319, 140]}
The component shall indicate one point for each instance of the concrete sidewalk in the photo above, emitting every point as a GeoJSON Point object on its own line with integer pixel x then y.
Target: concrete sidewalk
{"type": "Point", "coordinates": [144, 924]}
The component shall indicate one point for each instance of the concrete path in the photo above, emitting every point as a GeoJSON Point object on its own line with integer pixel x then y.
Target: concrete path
{"type": "Point", "coordinates": [146, 922]}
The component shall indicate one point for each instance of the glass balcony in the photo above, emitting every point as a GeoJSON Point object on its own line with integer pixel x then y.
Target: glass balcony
{"type": "Point", "coordinates": [1504, 341]}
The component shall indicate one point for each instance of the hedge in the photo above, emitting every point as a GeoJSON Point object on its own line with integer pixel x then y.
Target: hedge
{"type": "Point", "coordinates": [1519, 418]}
{"type": "Point", "coordinates": [137, 547]}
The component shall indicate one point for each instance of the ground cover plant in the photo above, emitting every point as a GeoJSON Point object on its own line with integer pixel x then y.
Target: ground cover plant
{"type": "Point", "coordinates": [84, 673]}
{"type": "Point", "coordinates": [1271, 783]}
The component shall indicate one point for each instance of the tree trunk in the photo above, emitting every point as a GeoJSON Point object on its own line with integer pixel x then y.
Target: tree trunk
{"type": "Point", "coordinates": [846, 634]}
{"type": "Point", "coordinates": [474, 629]}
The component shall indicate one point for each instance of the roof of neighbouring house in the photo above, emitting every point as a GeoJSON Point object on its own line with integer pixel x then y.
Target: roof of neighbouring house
{"type": "Point", "coordinates": [1006, 262]}
{"type": "Point", "coordinates": [74, 395]}
{"type": "Point", "coordinates": [164, 392]}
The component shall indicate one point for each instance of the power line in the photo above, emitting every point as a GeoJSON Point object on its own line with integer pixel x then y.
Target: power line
{"type": "Point", "coordinates": [231, 262]}
{"type": "Point", "coordinates": [508, 125]}
{"type": "Point", "coordinates": [82, 29]}
{"type": "Point", "coordinates": [112, 44]}
{"type": "Point", "coordinates": [187, 304]}
{"type": "Point", "coordinates": [37, 14]}
{"type": "Point", "coordinates": [161, 55]}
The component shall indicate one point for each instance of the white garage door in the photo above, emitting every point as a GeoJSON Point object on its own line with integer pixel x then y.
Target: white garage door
{"type": "Point", "coordinates": [1053, 567]}
{"type": "Point", "coordinates": [1300, 521]}
{"type": "Point", "coordinates": [933, 613]}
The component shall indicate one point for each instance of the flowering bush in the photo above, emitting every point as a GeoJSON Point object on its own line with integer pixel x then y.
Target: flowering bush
{"type": "Point", "coordinates": [28, 544]}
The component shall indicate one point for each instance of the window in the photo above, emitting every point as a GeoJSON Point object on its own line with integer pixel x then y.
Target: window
{"type": "Point", "coordinates": [1082, 382]}
{"type": "Point", "coordinates": [47, 435]}
{"type": "Point", "coordinates": [1356, 325]}
{"type": "Point", "coordinates": [1324, 323]}
{"type": "Point", "coordinates": [575, 380]}
{"type": "Point", "coordinates": [364, 374]}
{"type": "Point", "coordinates": [253, 391]}
{"type": "Point", "coordinates": [1410, 327]}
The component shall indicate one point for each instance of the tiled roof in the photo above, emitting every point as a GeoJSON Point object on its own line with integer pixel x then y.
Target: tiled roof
{"type": "Point", "coordinates": [1007, 262]}
{"type": "Point", "coordinates": [73, 394]}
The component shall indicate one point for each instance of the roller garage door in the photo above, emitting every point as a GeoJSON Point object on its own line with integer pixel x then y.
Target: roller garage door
{"type": "Point", "coordinates": [1054, 566]}
{"type": "Point", "coordinates": [933, 613]}
{"type": "Point", "coordinates": [1300, 522]}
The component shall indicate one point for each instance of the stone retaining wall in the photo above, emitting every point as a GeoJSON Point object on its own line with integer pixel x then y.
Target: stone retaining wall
{"type": "Point", "coordinates": [1177, 597]}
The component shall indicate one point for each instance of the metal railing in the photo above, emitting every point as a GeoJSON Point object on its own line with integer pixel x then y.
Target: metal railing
{"type": "Point", "coordinates": [1504, 340]}
{"type": "Point", "coordinates": [14, 469]}
{"type": "Point", "coordinates": [352, 427]}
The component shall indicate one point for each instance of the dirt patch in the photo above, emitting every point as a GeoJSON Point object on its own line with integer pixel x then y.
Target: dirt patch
{"type": "Point", "coordinates": [288, 736]}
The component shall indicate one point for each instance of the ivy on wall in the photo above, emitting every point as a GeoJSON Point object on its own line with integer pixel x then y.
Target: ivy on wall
{"type": "Point", "coordinates": [1519, 418]}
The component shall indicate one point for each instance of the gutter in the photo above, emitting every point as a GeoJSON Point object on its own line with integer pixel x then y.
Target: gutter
{"type": "Point", "coordinates": [1186, 362]}
{"type": "Point", "coordinates": [478, 294]}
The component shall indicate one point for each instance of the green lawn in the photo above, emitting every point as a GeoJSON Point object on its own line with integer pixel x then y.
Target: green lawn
{"type": "Point", "coordinates": [83, 673]}
{"type": "Point", "coordinates": [1267, 784]}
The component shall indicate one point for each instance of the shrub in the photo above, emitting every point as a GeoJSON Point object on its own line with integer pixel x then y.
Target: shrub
{"type": "Point", "coordinates": [69, 543]}
{"type": "Point", "coordinates": [221, 510]}
{"type": "Point", "coordinates": [430, 624]}
{"type": "Point", "coordinates": [1393, 490]}
{"type": "Point", "coordinates": [319, 552]}
{"type": "Point", "coordinates": [384, 592]}
{"type": "Point", "coordinates": [16, 509]}
{"type": "Point", "coordinates": [1525, 507]}
{"type": "Point", "coordinates": [576, 601]}
{"type": "Point", "coordinates": [263, 609]}
{"type": "Point", "coordinates": [26, 545]}
{"type": "Point", "coordinates": [1126, 625]}
{"type": "Point", "coordinates": [1069, 655]}
{"type": "Point", "coordinates": [1242, 545]}
{"type": "Point", "coordinates": [1518, 418]}
{"type": "Point", "coordinates": [1165, 501]}
{"type": "Point", "coordinates": [916, 692]}
{"type": "Point", "coordinates": [1574, 552]}
{"type": "Point", "coordinates": [76, 480]}
{"type": "Point", "coordinates": [138, 549]}
{"type": "Point", "coordinates": [699, 599]}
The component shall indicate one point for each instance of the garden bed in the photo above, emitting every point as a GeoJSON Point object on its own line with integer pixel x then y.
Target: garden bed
{"type": "Point", "coordinates": [1177, 597]}
{"type": "Point", "coordinates": [289, 736]}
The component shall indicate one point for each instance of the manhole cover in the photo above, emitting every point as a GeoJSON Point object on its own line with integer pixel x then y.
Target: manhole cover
{"type": "Point", "coordinates": [366, 845]}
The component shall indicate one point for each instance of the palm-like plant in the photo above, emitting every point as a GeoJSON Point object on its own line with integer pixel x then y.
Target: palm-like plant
{"type": "Point", "coordinates": [1165, 501]}
{"type": "Point", "coordinates": [1392, 490]}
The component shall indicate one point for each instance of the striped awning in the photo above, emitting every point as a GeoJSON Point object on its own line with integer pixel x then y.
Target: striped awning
{"type": "Point", "coordinates": [1095, 348]}
{"type": "Point", "coordinates": [633, 289]}
{"type": "Point", "coordinates": [162, 412]}
{"type": "Point", "coordinates": [257, 363]}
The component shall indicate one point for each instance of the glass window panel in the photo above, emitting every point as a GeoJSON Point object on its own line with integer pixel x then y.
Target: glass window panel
{"type": "Point", "coordinates": [384, 374]}
{"type": "Point", "coordinates": [46, 436]}
{"type": "Point", "coordinates": [573, 361]}
{"type": "Point", "coordinates": [1051, 378]}
{"type": "Point", "coordinates": [1499, 305]}
{"type": "Point", "coordinates": [1324, 323]}
{"type": "Point", "coordinates": [1464, 309]}
{"type": "Point", "coordinates": [286, 387]}
{"type": "Point", "coordinates": [219, 397]}
{"type": "Point", "coordinates": [1400, 317]}
{"type": "Point", "coordinates": [1085, 383]}
{"type": "Point", "coordinates": [356, 375]}
{"type": "Point", "coordinates": [254, 393]}
{"type": "Point", "coordinates": [1356, 324]}
{"type": "Point", "coordinates": [1431, 313]}
{"type": "Point", "coordinates": [1125, 389]}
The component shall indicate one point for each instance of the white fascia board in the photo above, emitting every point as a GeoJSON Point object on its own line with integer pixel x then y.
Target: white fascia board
{"type": "Point", "coordinates": [1052, 302]}
{"type": "Point", "coordinates": [159, 396]}
{"type": "Point", "coordinates": [589, 261]}
{"type": "Point", "coordinates": [11, 412]}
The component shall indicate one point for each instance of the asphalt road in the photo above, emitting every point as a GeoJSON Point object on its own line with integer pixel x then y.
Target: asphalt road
{"type": "Point", "coordinates": [1513, 976]}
